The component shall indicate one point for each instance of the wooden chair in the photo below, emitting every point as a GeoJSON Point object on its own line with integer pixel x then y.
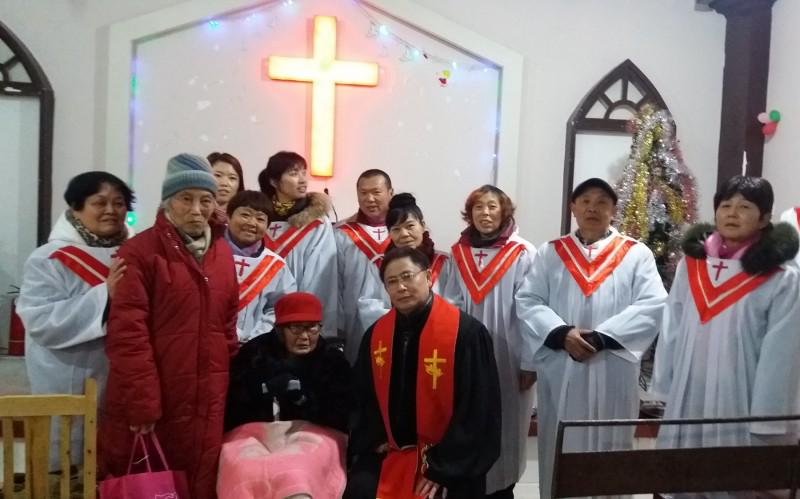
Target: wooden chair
{"type": "Point", "coordinates": [36, 412]}
{"type": "Point", "coordinates": [710, 469]}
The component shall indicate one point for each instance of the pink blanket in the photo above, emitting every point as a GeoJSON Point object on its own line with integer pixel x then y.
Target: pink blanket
{"type": "Point", "coordinates": [281, 459]}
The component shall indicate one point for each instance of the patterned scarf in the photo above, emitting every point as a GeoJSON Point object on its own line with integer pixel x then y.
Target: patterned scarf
{"type": "Point", "coordinates": [196, 246]}
{"type": "Point", "coordinates": [282, 208]}
{"type": "Point", "coordinates": [93, 240]}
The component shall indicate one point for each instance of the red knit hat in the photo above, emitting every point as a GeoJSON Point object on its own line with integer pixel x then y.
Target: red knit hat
{"type": "Point", "coordinates": [297, 307]}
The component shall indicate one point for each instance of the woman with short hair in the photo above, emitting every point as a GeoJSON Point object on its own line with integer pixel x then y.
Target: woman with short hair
{"type": "Point", "coordinates": [67, 285]}
{"type": "Point", "coordinates": [263, 275]}
{"type": "Point", "coordinates": [288, 409]}
{"type": "Point", "coordinates": [490, 262]}
{"type": "Point", "coordinates": [730, 345]}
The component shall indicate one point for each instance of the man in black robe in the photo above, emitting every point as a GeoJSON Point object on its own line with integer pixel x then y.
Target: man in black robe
{"type": "Point", "coordinates": [470, 443]}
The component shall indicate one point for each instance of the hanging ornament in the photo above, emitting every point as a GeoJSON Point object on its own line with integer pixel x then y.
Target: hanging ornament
{"type": "Point", "coordinates": [443, 77]}
{"type": "Point", "coordinates": [770, 121]}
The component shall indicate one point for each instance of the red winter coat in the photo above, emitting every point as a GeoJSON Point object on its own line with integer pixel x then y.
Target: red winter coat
{"type": "Point", "coordinates": [171, 333]}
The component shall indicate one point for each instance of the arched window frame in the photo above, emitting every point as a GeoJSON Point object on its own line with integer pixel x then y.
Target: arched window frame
{"type": "Point", "coordinates": [37, 86]}
{"type": "Point", "coordinates": [627, 74]}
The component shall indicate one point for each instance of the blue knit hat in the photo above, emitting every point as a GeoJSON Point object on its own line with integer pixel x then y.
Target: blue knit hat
{"type": "Point", "coordinates": [187, 171]}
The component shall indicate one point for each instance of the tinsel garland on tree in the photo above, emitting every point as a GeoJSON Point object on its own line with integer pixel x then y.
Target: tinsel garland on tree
{"type": "Point", "coordinates": [657, 194]}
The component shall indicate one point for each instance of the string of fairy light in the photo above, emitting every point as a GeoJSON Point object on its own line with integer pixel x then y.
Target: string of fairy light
{"type": "Point", "coordinates": [378, 29]}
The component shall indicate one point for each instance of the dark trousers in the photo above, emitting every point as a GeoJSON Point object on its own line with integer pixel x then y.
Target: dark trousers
{"type": "Point", "coordinates": [362, 482]}
{"type": "Point", "coordinates": [507, 493]}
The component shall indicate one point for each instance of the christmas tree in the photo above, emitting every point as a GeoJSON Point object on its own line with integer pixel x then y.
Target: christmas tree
{"type": "Point", "coordinates": [657, 194]}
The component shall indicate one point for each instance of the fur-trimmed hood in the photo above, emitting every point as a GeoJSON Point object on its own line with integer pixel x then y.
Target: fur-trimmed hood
{"type": "Point", "coordinates": [778, 244]}
{"type": "Point", "coordinates": [317, 206]}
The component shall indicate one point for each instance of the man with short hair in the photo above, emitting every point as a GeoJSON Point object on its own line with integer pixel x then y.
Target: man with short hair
{"type": "Point", "coordinates": [361, 241]}
{"type": "Point", "coordinates": [429, 397]}
{"type": "Point", "coordinates": [590, 308]}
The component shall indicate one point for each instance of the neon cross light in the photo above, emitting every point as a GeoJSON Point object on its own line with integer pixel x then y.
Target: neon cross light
{"type": "Point", "coordinates": [324, 72]}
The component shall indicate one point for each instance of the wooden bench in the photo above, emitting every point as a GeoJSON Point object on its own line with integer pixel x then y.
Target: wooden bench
{"type": "Point", "coordinates": [711, 469]}
{"type": "Point", "coordinates": [36, 411]}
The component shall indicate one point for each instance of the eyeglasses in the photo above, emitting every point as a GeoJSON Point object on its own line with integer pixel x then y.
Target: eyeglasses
{"type": "Point", "coordinates": [299, 329]}
{"type": "Point", "coordinates": [404, 278]}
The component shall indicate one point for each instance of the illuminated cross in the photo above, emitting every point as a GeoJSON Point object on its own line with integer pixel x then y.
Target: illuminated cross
{"type": "Point", "coordinates": [432, 366]}
{"type": "Point", "coordinates": [719, 266]}
{"type": "Point", "coordinates": [324, 72]}
{"type": "Point", "coordinates": [241, 264]}
{"type": "Point", "coordinates": [379, 360]}
{"type": "Point", "coordinates": [480, 256]}
{"type": "Point", "coordinates": [275, 228]}
{"type": "Point", "coordinates": [378, 232]}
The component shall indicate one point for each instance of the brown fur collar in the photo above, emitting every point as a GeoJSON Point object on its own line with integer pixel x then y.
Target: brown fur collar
{"type": "Point", "coordinates": [318, 206]}
{"type": "Point", "coordinates": [778, 244]}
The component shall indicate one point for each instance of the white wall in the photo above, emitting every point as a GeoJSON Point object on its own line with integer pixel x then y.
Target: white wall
{"type": "Point", "coordinates": [19, 142]}
{"type": "Point", "coordinates": [782, 152]}
{"type": "Point", "coordinates": [568, 46]}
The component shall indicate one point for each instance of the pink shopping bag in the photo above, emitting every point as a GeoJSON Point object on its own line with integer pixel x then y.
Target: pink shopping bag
{"type": "Point", "coordinates": [166, 484]}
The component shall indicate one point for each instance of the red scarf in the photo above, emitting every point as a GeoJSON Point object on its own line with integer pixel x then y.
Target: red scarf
{"type": "Point", "coordinates": [362, 218]}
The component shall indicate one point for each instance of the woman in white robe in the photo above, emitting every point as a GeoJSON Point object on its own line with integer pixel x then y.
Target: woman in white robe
{"type": "Point", "coordinates": [263, 275]}
{"type": "Point", "coordinates": [590, 308]}
{"type": "Point", "coordinates": [67, 284]}
{"type": "Point", "coordinates": [730, 345]}
{"type": "Point", "coordinates": [406, 229]}
{"type": "Point", "coordinates": [301, 233]}
{"type": "Point", "coordinates": [490, 262]}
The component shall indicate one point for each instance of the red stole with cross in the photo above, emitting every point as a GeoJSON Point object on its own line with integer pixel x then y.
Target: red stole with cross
{"type": "Point", "coordinates": [371, 248]}
{"type": "Point", "coordinates": [88, 268]}
{"type": "Point", "coordinates": [589, 275]}
{"type": "Point", "coordinates": [254, 282]}
{"type": "Point", "coordinates": [285, 243]}
{"type": "Point", "coordinates": [711, 300]}
{"type": "Point", "coordinates": [480, 283]}
{"type": "Point", "coordinates": [435, 391]}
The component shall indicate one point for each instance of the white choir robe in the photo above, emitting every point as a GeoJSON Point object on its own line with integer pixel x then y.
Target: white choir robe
{"type": "Point", "coordinates": [262, 281]}
{"type": "Point", "coordinates": [374, 302]}
{"type": "Point", "coordinates": [61, 304]}
{"type": "Point", "coordinates": [357, 262]}
{"type": "Point", "coordinates": [627, 305]}
{"type": "Point", "coordinates": [792, 217]}
{"type": "Point", "coordinates": [310, 254]}
{"type": "Point", "coordinates": [485, 289]}
{"type": "Point", "coordinates": [743, 361]}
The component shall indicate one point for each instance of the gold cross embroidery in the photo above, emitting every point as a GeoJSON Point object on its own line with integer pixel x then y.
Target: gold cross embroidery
{"type": "Point", "coordinates": [432, 366]}
{"type": "Point", "coordinates": [379, 360]}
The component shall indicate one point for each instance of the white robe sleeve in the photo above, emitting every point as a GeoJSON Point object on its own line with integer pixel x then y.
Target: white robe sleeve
{"type": "Point", "coordinates": [282, 284]}
{"type": "Point", "coordinates": [536, 318]}
{"type": "Point", "coordinates": [637, 325]}
{"type": "Point", "coordinates": [524, 269]}
{"type": "Point", "coordinates": [775, 388]}
{"type": "Point", "coordinates": [374, 301]}
{"type": "Point", "coordinates": [452, 290]}
{"type": "Point", "coordinates": [668, 337]}
{"type": "Point", "coordinates": [57, 308]}
{"type": "Point", "coordinates": [319, 275]}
